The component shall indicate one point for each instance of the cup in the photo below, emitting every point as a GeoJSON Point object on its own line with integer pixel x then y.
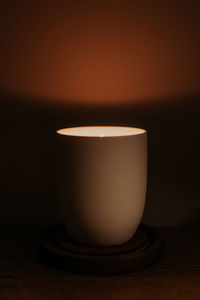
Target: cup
{"type": "Point", "coordinates": [102, 178]}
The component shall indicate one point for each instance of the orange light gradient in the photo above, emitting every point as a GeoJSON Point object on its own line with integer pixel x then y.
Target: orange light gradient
{"type": "Point", "coordinates": [100, 52]}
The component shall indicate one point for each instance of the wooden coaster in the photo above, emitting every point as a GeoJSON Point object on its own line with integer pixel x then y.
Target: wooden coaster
{"type": "Point", "coordinates": [59, 250]}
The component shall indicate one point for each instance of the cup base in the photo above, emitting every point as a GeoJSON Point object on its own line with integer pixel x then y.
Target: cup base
{"type": "Point", "coordinates": [59, 250]}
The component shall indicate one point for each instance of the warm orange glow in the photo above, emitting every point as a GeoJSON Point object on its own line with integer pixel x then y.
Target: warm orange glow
{"type": "Point", "coordinates": [101, 131]}
{"type": "Point", "coordinates": [99, 51]}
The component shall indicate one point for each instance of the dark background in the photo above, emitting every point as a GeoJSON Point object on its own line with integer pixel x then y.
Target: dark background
{"type": "Point", "coordinates": [160, 92]}
{"type": "Point", "coordinates": [28, 147]}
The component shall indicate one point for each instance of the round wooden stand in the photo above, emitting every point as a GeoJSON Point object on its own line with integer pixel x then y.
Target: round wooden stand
{"type": "Point", "coordinates": [59, 250]}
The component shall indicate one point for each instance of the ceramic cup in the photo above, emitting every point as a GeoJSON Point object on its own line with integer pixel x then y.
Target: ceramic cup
{"type": "Point", "coordinates": [102, 177]}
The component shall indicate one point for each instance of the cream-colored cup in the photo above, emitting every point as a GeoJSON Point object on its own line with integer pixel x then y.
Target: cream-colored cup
{"type": "Point", "coordinates": [102, 176]}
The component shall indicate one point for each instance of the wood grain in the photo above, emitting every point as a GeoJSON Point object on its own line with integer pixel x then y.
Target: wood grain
{"type": "Point", "coordinates": [176, 276]}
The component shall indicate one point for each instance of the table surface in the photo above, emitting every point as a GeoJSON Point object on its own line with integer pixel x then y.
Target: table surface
{"type": "Point", "coordinates": [175, 276]}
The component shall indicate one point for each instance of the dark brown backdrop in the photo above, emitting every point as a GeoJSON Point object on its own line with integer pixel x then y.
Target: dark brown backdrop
{"type": "Point", "coordinates": [27, 157]}
{"type": "Point", "coordinates": [79, 62]}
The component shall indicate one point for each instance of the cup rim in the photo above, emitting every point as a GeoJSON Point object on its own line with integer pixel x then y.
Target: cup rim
{"type": "Point", "coordinates": [100, 131]}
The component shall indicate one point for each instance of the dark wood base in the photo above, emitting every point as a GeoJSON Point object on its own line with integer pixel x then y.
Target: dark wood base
{"type": "Point", "coordinates": [59, 250]}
